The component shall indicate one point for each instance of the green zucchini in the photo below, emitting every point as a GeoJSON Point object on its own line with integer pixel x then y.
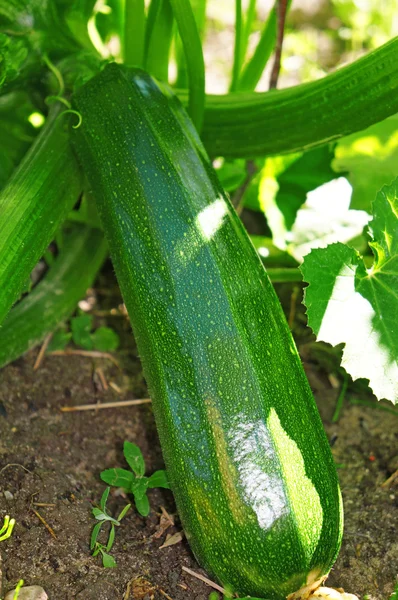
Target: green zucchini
{"type": "Point", "coordinates": [247, 457]}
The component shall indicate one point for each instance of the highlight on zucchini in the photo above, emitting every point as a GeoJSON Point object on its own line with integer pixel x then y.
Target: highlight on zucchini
{"type": "Point", "coordinates": [244, 447]}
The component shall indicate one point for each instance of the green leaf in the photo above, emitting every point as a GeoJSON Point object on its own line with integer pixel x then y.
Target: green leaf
{"type": "Point", "coordinates": [99, 514]}
{"type": "Point", "coordinates": [118, 477]}
{"type": "Point", "coordinates": [159, 479]}
{"type": "Point", "coordinates": [142, 505]}
{"type": "Point", "coordinates": [134, 458]}
{"type": "Point", "coordinates": [108, 561]}
{"type": "Point", "coordinates": [139, 487]}
{"type": "Point", "coordinates": [105, 339]}
{"type": "Point", "coordinates": [111, 538]}
{"type": "Point", "coordinates": [81, 331]}
{"type": "Point", "coordinates": [94, 534]}
{"type": "Point", "coordinates": [59, 340]}
{"type": "Point", "coordinates": [325, 218]}
{"type": "Point", "coordinates": [104, 498]}
{"type": "Point", "coordinates": [124, 512]}
{"type": "Point", "coordinates": [349, 304]}
{"type": "Point", "coordinates": [232, 173]}
{"type": "Point", "coordinates": [370, 157]}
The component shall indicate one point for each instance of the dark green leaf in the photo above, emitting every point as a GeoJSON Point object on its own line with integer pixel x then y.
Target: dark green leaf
{"type": "Point", "coordinates": [232, 174]}
{"type": "Point", "coordinates": [111, 538]}
{"type": "Point", "coordinates": [159, 479]}
{"type": "Point", "coordinates": [104, 498]}
{"type": "Point", "coordinates": [134, 458]}
{"type": "Point", "coordinates": [124, 512]}
{"type": "Point", "coordinates": [142, 505]}
{"type": "Point", "coordinates": [59, 340]}
{"type": "Point", "coordinates": [81, 331]}
{"type": "Point", "coordinates": [105, 339]}
{"type": "Point", "coordinates": [370, 158]}
{"type": "Point", "coordinates": [118, 477]}
{"type": "Point", "coordinates": [94, 535]}
{"type": "Point", "coordinates": [349, 304]}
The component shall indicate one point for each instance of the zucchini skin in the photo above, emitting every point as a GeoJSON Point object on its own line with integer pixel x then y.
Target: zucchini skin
{"type": "Point", "coordinates": [244, 447]}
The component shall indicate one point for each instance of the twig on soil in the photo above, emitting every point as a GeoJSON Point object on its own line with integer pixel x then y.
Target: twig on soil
{"type": "Point", "coordinates": [205, 580]}
{"type": "Point", "coordinates": [42, 351]}
{"type": "Point", "coordinates": [88, 353]}
{"type": "Point", "coordinates": [16, 465]}
{"type": "Point", "coordinates": [117, 404]}
{"type": "Point", "coordinates": [102, 378]}
{"type": "Point", "coordinates": [115, 387]}
{"type": "Point", "coordinates": [46, 525]}
{"type": "Point", "coordinates": [164, 594]}
{"type": "Point", "coordinates": [44, 504]}
{"type": "Point", "coordinates": [390, 480]}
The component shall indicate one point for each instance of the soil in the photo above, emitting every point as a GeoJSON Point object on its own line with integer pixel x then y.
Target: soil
{"type": "Point", "coordinates": [50, 463]}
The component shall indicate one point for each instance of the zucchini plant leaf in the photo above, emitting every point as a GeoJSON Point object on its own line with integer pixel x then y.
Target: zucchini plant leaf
{"type": "Point", "coordinates": [370, 159]}
{"type": "Point", "coordinates": [346, 303]}
{"type": "Point", "coordinates": [282, 184]}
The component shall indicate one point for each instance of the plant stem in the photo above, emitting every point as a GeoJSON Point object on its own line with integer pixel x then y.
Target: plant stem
{"type": "Point", "coordinates": [281, 18]}
{"type": "Point", "coordinates": [340, 400]}
{"type": "Point", "coordinates": [194, 58]}
{"type": "Point", "coordinates": [238, 46]}
{"type": "Point", "coordinates": [158, 50]}
{"type": "Point", "coordinates": [134, 33]}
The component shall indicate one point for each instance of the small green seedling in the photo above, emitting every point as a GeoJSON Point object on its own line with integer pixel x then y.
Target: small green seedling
{"type": "Point", "coordinates": [6, 530]}
{"type": "Point", "coordinates": [394, 595]}
{"type": "Point", "coordinates": [17, 589]}
{"type": "Point", "coordinates": [101, 514]}
{"type": "Point", "coordinates": [134, 481]}
{"type": "Point", "coordinates": [103, 339]}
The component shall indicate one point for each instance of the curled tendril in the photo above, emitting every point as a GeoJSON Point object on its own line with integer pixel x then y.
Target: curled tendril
{"type": "Point", "coordinates": [56, 73]}
{"type": "Point", "coordinates": [52, 99]}
{"type": "Point", "coordinates": [73, 112]}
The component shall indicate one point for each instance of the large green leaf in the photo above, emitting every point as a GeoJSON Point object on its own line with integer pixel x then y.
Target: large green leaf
{"type": "Point", "coordinates": [358, 307]}
{"type": "Point", "coordinates": [282, 184]}
{"type": "Point", "coordinates": [370, 158]}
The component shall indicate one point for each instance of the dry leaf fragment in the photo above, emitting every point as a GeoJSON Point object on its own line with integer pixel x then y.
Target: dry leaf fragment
{"type": "Point", "coordinates": [171, 540]}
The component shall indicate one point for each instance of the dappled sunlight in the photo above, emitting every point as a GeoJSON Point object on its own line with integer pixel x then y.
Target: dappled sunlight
{"type": "Point", "coordinates": [301, 492]}
{"type": "Point", "coordinates": [208, 221]}
{"type": "Point", "coordinates": [349, 316]}
{"type": "Point", "coordinates": [211, 218]}
{"type": "Point", "coordinates": [326, 218]}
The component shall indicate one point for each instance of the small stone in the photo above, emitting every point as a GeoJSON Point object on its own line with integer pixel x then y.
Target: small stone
{"type": "Point", "coordinates": [30, 592]}
{"type": "Point", "coordinates": [8, 495]}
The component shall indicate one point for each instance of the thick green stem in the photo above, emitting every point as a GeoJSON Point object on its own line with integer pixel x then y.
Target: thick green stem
{"type": "Point", "coordinates": [134, 33]}
{"type": "Point", "coordinates": [158, 45]}
{"type": "Point", "coordinates": [238, 46]}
